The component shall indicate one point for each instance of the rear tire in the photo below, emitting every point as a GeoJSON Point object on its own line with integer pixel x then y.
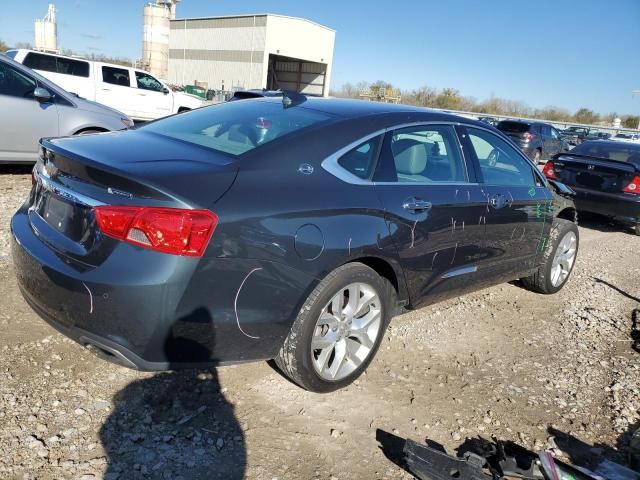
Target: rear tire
{"type": "Point", "coordinates": [345, 342]}
{"type": "Point", "coordinates": [561, 250]}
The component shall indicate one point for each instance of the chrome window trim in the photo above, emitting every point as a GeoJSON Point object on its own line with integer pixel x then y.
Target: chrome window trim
{"type": "Point", "coordinates": [331, 165]}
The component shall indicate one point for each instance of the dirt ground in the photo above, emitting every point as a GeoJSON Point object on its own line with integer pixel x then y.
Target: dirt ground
{"type": "Point", "coordinates": [545, 371]}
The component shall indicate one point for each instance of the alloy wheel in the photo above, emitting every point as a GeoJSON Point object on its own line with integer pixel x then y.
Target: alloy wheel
{"type": "Point", "coordinates": [346, 332]}
{"type": "Point", "coordinates": [563, 259]}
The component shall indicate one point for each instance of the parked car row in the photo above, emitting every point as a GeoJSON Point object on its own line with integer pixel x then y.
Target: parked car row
{"type": "Point", "coordinates": [134, 92]}
{"type": "Point", "coordinates": [537, 140]}
{"type": "Point", "coordinates": [32, 107]}
{"type": "Point", "coordinates": [605, 175]}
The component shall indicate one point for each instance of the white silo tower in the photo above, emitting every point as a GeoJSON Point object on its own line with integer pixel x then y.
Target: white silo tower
{"type": "Point", "coordinates": [155, 41]}
{"type": "Point", "coordinates": [47, 31]}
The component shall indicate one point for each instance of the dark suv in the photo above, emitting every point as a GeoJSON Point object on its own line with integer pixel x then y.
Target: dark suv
{"type": "Point", "coordinates": [536, 139]}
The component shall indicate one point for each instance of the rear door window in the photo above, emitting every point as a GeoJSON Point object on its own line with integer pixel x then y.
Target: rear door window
{"type": "Point", "coordinates": [116, 76]}
{"type": "Point", "coordinates": [77, 68]}
{"type": "Point", "coordinates": [423, 154]}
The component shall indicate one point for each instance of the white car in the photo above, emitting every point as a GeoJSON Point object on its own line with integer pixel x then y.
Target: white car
{"type": "Point", "coordinates": [626, 137]}
{"type": "Point", "coordinates": [134, 92]}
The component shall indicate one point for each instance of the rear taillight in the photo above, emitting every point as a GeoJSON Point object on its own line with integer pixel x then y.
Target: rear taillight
{"type": "Point", "coordinates": [168, 230]}
{"type": "Point", "coordinates": [528, 136]}
{"type": "Point", "coordinates": [634, 186]}
{"type": "Point", "coordinates": [549, 170]}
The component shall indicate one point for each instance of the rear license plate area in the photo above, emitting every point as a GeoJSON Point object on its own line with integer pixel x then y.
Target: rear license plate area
{"type": "Point", "coordinates": [66, 217]}
{"type": "Point", "coordinates": [589, 180]}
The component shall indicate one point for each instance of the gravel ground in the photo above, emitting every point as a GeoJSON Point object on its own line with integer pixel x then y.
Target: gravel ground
{"type": "Point", "coordinates": [544, 371]}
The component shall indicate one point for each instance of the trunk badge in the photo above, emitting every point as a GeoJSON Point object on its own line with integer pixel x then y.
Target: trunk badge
{"type": "Point", "coordinates": [120, 193]}
{"type": "Point", "coordinates": [590, 167]}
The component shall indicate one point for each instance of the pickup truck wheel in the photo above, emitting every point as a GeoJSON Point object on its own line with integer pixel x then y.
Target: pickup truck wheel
{"type": "Point", "coordinates": [338, 329]}
{"type": "Point", "coordinates": [559, 256]}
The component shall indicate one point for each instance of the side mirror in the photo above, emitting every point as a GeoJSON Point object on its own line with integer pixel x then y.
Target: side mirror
{"type": "Point", "coordinates": [165, 90]}
{"type": "Point", "coordinates": [42, 95]}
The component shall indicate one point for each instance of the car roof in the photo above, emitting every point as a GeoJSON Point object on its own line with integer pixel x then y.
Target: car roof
{"type": "Point", "coordinates": [612, 143]}
{"type": "Point", "coordinates": [356, 108]}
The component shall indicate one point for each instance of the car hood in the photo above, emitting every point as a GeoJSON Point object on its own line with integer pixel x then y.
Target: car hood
{"type": "Point", "coordinates": [188, 100]}
{"type": "Point", "coordinates": [96, 107]}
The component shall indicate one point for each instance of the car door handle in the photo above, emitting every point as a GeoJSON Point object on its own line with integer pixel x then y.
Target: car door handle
{"type": "Point", "coordinates": [415, 205]}
{"type": "Point", "coordinates": [499, 201]}
{"type": "Point", "coordinates": [106, 89]}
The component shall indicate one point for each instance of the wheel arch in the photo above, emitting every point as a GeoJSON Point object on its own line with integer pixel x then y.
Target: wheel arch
{"type": "Point", "coordinates": [93, 129]}
{"type": "Point", "coordinates": [568, 213]}
{"type": "Point", "coordinates": [387, 270]}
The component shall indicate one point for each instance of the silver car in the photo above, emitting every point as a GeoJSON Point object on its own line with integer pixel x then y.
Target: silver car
{"type": "Point", "coordinates": [32, 107]}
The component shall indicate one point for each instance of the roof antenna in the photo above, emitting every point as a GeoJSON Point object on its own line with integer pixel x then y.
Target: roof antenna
{"type": "Point", "coordinates": [291, 98]}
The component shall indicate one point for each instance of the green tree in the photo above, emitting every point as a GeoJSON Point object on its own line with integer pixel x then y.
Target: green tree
{"type": "Point", "coordinates": [630, 121]}
{"type": "Point", "coordinates": [584, 115]}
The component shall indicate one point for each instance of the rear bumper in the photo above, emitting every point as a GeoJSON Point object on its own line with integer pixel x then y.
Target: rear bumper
{"type": "Point", "coordinates": [623, 207]}
{"type": "Point", "coordinates": [153, 311]}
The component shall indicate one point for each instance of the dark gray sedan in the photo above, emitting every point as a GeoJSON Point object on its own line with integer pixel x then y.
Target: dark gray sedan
{"type": "Point", "coordinates": [32, 107]}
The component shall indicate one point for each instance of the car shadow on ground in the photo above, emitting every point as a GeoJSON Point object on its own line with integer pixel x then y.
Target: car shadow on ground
{"type": "Point", "coordinates": [174, 425]}
{"type": "Point", "coordinates": [22, 169]}
{"type": "Point", "coordinates": [600, 223]}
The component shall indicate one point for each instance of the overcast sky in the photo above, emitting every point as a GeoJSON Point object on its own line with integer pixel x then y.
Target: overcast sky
{"type": "Point", "coordinates": [566, 53]}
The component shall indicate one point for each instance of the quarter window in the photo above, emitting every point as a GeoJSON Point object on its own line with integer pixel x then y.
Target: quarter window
{"type": "Point", "coordinates": [360, 160]}
{"type": "Point", "coordinates": [14, 83]}
{"type": "Point", "coordinates": [51, 63]}
{"type": "Point", "coordinates": [425, 154]}
{"type": "Point", "coordinates": [116, 76]}
{"type": "Point", "coordinates": [147, 82]}
{"type": "Point", "coordinates": [500, 163]}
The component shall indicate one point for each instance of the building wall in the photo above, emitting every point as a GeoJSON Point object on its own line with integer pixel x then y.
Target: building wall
{"type": "Point", "coordinates": [218, 51]}
{"type": "Point", "coordinates": [234, 51]}
{"type": "Point", "coordinates": [301, 39]}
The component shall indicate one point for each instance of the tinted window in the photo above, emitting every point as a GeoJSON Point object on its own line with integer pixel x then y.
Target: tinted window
{"type": "Point", "coordinates": [554, 132]}
{"type": "Point", "coordinates": [39, 61]}
{"type": "Point", "coordinates": [15, 83]}
{"type": "Point", "coordinates": [147, 82]}
{"type": "Point", "coordinates": [77, 68]}
{"type": "Point", "coordinates": [51, 63]}
{"type": "Point", "coordinates": [116, 76]}
{"type": "Point", "coordinates": [237, 127]}
{"type": "Point", "coordinates": [500, 163]}
{"type": "Point", "coordinates": [426, 154]}
{"type": "Point", "coordinates": [611, 151]}
{"type": "Point", "coordinates": [513, 127]}
{"type": "Point", "coordinates": [546, 130]}
{"type": "Point", "coordinates": [11, 53]}
{"type": "Point", "coordinates": [360, 160]}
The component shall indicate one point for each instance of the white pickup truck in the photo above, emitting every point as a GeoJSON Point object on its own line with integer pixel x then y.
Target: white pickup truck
{"type": "Point", "coordinates": [135, 92]}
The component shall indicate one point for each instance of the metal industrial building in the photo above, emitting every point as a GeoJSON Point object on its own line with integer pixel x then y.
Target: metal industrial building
{"type": "Point", "coordinates": [251, 51]}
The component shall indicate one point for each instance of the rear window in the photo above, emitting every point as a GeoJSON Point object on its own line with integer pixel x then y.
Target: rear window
{"type": "Point", "coordinates": [237, 127]}
{"type": "Point", "coordinates": [516, 127]}
{"type": "Point", "coordinates": [116, 76]}
{"type": "Point", "coordinates": [51, 63]}
{"type": "Point", "coordinates": [621, 153]}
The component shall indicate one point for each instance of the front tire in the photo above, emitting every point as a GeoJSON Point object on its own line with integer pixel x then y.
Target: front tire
{"type": "Point", "coordinates": [338, 329]}
{"type": "Point", "coordinates": [559, 256]}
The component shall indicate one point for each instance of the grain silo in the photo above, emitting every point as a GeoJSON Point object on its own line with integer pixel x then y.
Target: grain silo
{"type": "Point", "coordinates": [155, 43]}
{"type": "Point", "coordinates": [47, 32]}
